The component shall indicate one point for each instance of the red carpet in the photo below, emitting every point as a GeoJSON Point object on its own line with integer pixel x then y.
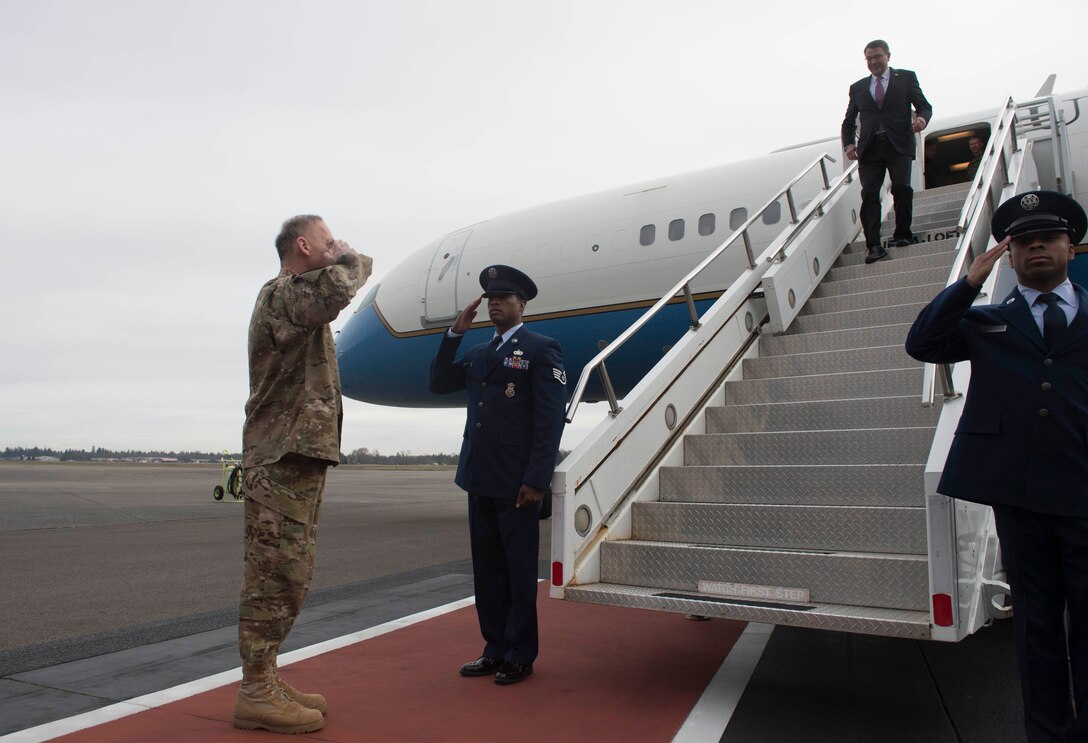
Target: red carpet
{"type": "Point", "coordinates": [604, 674]}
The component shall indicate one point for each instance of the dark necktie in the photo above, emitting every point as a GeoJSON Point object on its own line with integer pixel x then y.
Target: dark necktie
{"type": "Point", "coordinates": [1054, 322]}
{"type": "Point", "coordinates": [492, 350]}
{"type": "Point", "coordinates": [878, 94]}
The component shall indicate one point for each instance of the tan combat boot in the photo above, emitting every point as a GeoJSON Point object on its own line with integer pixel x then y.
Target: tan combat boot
{"type": "Point", "coordinates": [313, 701]}
{"type": "Point", "coordinates": [262, 704]}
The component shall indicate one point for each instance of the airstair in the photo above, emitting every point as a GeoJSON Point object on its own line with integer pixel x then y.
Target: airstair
{"type": "Point", "coordinates": [779, 465]}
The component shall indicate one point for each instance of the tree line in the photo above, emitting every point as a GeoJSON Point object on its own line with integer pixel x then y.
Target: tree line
{"type": "Point", "coordinates": [358, 456]}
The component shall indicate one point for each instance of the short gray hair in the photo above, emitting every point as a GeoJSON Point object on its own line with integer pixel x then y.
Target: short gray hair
{"type": "Point", "coordinates": [292, 230]}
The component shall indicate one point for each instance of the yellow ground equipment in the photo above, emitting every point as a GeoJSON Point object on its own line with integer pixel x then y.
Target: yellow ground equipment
{"type": "Point", "coordinates": [232, 479]}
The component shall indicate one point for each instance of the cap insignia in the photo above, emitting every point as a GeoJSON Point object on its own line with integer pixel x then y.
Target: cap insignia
{"type": "Point", "coordinates": [492, 272]}
{"type": "Point", "coordinates": [1029, 202]}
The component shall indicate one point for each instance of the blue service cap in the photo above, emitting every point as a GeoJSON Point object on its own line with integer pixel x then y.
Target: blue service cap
{"type": "Point", "coordinates": [1039, 211]}
{"type": "Point", "coordinates": [500, 279]}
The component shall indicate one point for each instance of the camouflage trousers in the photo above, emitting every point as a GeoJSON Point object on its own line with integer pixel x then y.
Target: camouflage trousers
{"type": "Point", "coordinates": [282, 501]}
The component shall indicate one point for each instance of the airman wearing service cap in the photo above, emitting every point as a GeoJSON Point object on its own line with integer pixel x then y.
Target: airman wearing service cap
{"type": "Point", "coordinates": [1020, 441]}
{"type": "Point", "coordinates": [516, 389]}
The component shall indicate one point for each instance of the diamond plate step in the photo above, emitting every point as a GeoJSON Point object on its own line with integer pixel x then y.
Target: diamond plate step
{"type": "Point", "coordinates": [860, 619]}
{"type": "Point", "coordinates": [896, 263]}
{"type": "Point", "coordinates": [823, 415]}
{"type": "Point", "coordinates": [872, 299]}
{"type": "Point", "coordinates": [848, 386]}
{"type": "Point", "coordinates": [828, 362]}
{"type": "Point", "coordinates": [926, 277]}
{"type": "Point", "coordinates": [815, 485]}
{"type": "Point", "coordinates": [855, 255]}
{"type": "Point", "coordinates": [856, 579]}
{"type": "Point", "coordinates": [867, 446]}
{"type": "Point", "coordinates": [833, 340]}
{"type": "Point", "coordinates": [951, 191]}
{"type": "Point", "coordinates": [868, 318]}
{"type": "Point", "coordinates": [836, 528]}
{"type": "Point", "coordinates": [941, 217]}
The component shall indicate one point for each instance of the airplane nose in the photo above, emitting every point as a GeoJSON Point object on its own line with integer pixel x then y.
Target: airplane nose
{"type": "Point", "coordinates": [380, 367]}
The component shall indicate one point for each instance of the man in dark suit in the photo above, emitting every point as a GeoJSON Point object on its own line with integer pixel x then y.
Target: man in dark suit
{"type": "Point", "coordinates": [1022, 441]}
{"type": "Point", "coordinates": [516, 405]}
{"type": "Point", "coordinates": [885, 100]}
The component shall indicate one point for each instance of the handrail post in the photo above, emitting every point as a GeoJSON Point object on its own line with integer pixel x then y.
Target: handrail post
{"type": "Point", "coordinates": [748, 249]}
{"type": "Point", "coordinates": [695, 324]}
{"type": "Point", "coordinates": [944, 371]}
{"type": "Point", "coordinates": [609, 391]}
{"type": "Point", "coordinates": [792, 206]}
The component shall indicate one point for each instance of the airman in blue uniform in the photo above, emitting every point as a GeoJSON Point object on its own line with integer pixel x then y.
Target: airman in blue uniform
{"type": "Point", "coordinates": [516, 389]}
{"type": "Point", "coordinates": [1021, 445]}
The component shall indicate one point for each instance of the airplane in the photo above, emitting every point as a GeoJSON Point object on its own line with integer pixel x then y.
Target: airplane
{"type": "Point", "coordinates": [600, 260]}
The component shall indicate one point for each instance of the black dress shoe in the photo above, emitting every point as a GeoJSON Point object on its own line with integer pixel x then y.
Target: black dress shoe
{"type": "Point", "coordinates": [903, 242]}
{"type": "Point", "coordinates": [878, 253]}
{"type": "Point", "coordinates": [512, 672]}
{"type": "Point", "coordinates": [482, 666]}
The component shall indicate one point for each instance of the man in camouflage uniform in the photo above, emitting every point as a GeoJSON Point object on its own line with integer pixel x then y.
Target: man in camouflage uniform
{"type": "Point", "coordinates": [291, 435]}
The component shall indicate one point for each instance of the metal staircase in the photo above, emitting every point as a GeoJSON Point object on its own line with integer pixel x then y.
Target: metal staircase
{"type": "Point", "coordinates": [821, 489]}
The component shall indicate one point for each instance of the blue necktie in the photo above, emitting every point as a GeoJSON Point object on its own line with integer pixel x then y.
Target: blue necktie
{"type": "Point", "coordinates": [493, 349]}
{"type": "Point", "coordinates": [1054, 322]}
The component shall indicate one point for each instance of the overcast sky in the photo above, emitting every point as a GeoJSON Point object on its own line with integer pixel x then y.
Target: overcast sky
{"type": "Point", "coordinates": [150, 150]}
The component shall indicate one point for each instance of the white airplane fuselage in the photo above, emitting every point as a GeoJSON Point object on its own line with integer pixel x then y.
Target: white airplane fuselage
{"type": "Point", "coordinates": [599, 261]}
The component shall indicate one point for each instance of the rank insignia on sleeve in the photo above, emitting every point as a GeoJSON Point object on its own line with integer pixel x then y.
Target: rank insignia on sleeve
{"type": "Point", "coordinates": [560, 375]}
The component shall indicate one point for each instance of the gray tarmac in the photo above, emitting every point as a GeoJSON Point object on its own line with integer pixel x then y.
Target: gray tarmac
{"type": "Point", "coordinates": [123, 579]}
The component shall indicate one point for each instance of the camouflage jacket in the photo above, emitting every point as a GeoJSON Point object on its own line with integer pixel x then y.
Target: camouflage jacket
{"type": "Point", "coordinates": [294, 383]}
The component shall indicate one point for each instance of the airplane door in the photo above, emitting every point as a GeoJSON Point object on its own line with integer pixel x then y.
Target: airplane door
{"type": "Point", "coordinates": [440, 297]}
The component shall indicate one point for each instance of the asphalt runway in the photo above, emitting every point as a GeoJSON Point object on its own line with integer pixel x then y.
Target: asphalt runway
{"type": "Point", "coordinates": [98, 548]}
{"type": "Point", "coordinates": [120, 579]}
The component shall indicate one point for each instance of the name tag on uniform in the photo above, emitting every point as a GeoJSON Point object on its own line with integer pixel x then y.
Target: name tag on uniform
{"type": "Point", "coordinates": [992, 328]}
{"type": "Point", "coordinates": [516, 362]}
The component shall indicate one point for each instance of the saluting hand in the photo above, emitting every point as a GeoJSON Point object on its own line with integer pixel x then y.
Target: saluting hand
{"type": "Point", "coordinates": [982, 265]}
{"type": "Point", "coordinates": [464, 320]}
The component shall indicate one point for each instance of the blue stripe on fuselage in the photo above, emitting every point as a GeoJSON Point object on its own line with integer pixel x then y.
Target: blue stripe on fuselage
{"type": "Point", "coordinates": [378, 367]}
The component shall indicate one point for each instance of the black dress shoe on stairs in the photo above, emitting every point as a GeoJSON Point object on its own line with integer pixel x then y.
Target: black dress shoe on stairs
{"type": "Point", "coordinates": [482, 666]}
{"type": "Point", "coordinates": [512, 672]}
{"type": "Point", "coordinates": [874, 254]}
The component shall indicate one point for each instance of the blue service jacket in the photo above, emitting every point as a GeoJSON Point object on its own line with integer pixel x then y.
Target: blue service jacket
{"type": "Point", "coordinates": [516, 409]}
{"type": "Point", "coordinates": [1022, 439]}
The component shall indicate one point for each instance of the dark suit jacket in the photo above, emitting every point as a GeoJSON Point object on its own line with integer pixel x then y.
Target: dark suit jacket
{"type": "Point", "coordinates": [516, 408]}
{"type": "Point", "coordinates": [1022, 439]}
{"type": "Point", "coordinates": [902, 95]}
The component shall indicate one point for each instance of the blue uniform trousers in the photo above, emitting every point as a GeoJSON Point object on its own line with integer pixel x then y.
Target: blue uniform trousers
{"type": "Point", "coordinates": [1046, 558]}
{"type": "Point", "coordinates": [505, 548]}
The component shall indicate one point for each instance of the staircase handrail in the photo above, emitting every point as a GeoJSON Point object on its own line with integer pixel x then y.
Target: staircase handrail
{"type": "Point", "coordinates": [1003, 128]}
{"type": "Point", "coordinates": [597, 363]}
{"type": "Point", "coordinates": [981, 193]}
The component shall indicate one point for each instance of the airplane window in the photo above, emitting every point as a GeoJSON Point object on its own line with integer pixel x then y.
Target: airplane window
{"type": "Point", "coordinates": [737, 217]}
{"type": "Point", "coordinates": [646, 234]}
{"type": "Point", "coordinates": [773, 213]}
{"type": "Point", "coordinates": [676, 229]}
{"type": "Point", "coordinates": [706, 225]}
